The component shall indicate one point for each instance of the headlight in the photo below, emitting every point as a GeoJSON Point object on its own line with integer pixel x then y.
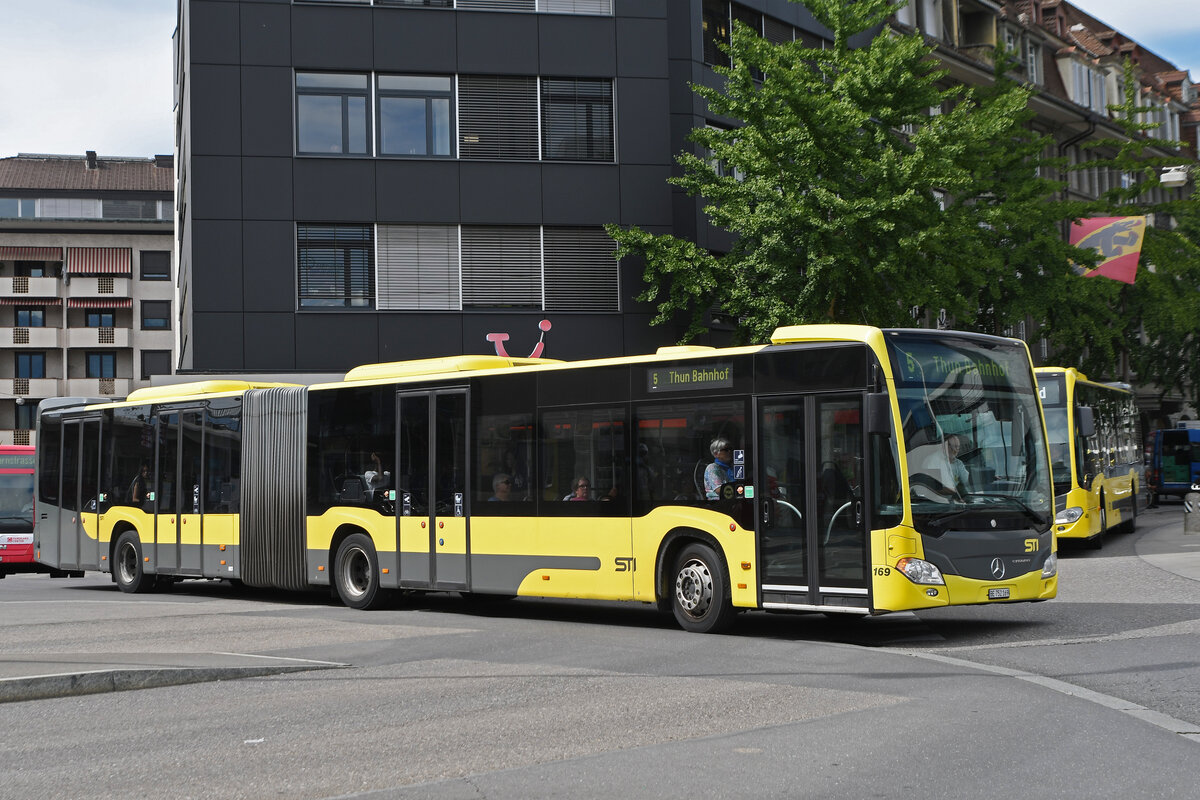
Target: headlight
{"type": "Point", "coordinates": [1068, 515]}
{"type": "Point", "coordinates": [1050, 568]}
{"type": "Point", "coordinates": [919, 571]}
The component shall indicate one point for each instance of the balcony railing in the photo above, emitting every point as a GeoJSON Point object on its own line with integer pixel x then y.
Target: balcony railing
{"type": "Point", "coordinates": [30, 337]}
{"type": "Point", "coordinates": [98, 387]}
{"type": "Point", "coordinates": [98, 337]}
{"type": "Point", "coordinates": [98, 286]}
{"type": "Point", "coordinates": [29, 387]}
{"type": "Point", "coordinates": [34, 287]}
{"type": "Point", "coordinates": [25, 437]}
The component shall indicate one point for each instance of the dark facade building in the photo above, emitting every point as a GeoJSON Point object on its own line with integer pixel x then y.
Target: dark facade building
{"type": "Point", "coordinates": [364, 182]}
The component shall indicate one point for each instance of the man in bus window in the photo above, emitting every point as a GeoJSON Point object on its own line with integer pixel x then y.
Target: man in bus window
{"type": "Point", "coordinates": [501, 487]}
{"type": "Point", "coordinates": [962, 478]}
{"type": "Point", "coordinates": [717, 474]}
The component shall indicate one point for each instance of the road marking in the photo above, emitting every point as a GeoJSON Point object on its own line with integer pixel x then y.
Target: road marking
{"type": "Point", "coordinates": [1186, 730]}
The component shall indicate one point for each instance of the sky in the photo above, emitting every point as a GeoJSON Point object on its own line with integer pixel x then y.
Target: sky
{"type": "Point", "coordinates": [78, 75]}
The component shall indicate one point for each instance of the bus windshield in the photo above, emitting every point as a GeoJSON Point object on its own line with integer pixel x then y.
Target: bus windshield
{"type": "Point", "coordinates": [972, 433]}
{"type": "Point", "coordinates": [16, 503]}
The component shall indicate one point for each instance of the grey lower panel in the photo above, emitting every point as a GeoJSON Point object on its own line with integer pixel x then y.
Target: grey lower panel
{"type": "Point", "coordinates": [504, 574]}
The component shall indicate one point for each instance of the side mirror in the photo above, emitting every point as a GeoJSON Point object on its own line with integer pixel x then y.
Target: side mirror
{"type": "Point", "coordinates": [1086, 421]}
{"type": "Point", "coordinates": [879, 414]}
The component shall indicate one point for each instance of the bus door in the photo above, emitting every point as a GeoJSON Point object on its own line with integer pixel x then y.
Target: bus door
{"type": "Point", "coordinates": [812, 525]}
{"type": "Point", "coordinates": [431, 486]}
{"type": "Point", "coordinates": [79, 523]}
{"type": "Point", "coordinates": [166, 493]}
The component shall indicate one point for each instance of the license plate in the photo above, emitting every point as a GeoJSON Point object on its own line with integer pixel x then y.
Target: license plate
{"type": "Point", "coordinates": [997, 594]}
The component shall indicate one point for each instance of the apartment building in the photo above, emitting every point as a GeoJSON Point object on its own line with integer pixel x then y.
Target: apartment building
{"type": "Point", "coordinates": [86, 280]}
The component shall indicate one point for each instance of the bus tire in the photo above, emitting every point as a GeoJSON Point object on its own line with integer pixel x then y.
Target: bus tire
{"type": "Point", "coordinates": [356, 573]}
{"type": "Point", "coordinates": [129, 568]}
{"type": "Point", "coordinates": [700, 591]}
{"type": "Point", "coordinates": [1131, 525]}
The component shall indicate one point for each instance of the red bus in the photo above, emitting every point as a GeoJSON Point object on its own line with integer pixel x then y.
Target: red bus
{"type": "Point", "coordinates": [16, 510]}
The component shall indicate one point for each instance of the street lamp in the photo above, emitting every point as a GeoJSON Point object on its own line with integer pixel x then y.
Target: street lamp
{"type": "Point", "coordinates": [1174, 177]}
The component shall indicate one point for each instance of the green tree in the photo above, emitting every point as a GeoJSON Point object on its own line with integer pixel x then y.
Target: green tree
{"type": "Point", "coordinates": [834, 182]}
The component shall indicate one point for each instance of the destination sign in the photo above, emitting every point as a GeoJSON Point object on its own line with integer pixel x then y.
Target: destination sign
{"type": "Point", "coordinates": [682, 378]}
{"type": "Point", "coordinates": [16, 461]}
{"type": "Point", "coordinates": [958, 363]}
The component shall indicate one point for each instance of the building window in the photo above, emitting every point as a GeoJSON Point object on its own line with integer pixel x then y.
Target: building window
{"type": "Point", "coordinates": [415, 115]}
{"type": "Point", "coordinates": [156, 315]}
{"type": "Point", "coordinates": [30, 317]}
{"type": "Point", "coordinates": [129, 209]}
{"type": "Point", "coordinates": [101, 365]}
{"type": "Point", "coordinates": [155, 362]}
{"type": "Point", "coordinates": [16, 207]}
{"type": "Point", "coordinates": [30, 365]}
{"type": "Point", "coordinates": [336, 266]}
{"type": "Point", "coordinates": [577, 120]}
{"type": "Point", "coordinates": [33, 269]}
{"type": "Point", "coordinates": [497, 5]}
{"type": "Point", "coordinates": [580, 271]}
{"type": "Point", "coordinates": [501, 266]}
{"type": "Point", "coordinates": [69, 208]}
{"type": "Point", "coordinates": [715, 23]}
{"type": "Point", "coordinates": [101, 319]}
{"type": "Point", "coordinates": [1033, 62]}
{"type": "Point", "coordinates": [27, 416]}
{"type": "Point", "coordinates": [418, 267]}
{"type": "Point", "coordinates": [331, 113]}
{"type": "Point", "coordinates": [498, 117]}
{"type": "Point", "coordinates": [156, 265]}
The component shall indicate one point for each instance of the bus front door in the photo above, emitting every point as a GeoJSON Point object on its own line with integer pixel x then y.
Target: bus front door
{"type": "Point", "coordinates": [431, 492]}
{"type": "Point", "coordinates": [812, 527]}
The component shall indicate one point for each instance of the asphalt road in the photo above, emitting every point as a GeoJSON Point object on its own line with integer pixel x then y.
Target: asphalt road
{"type": "Point", "coordinates": [1094, 694]}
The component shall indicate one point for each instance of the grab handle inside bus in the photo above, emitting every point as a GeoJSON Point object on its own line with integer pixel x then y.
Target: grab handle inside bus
{"type": "Point", "coordinates": [1087, 421]}
{"type": "Point", "coordinates": [879, 414]}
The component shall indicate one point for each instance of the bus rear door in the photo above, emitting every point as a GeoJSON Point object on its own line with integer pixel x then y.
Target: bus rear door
{"type": "Point", "coordinates": [432, 495]}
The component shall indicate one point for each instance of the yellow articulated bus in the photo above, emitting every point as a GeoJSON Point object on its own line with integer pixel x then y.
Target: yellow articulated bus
{"type": "Point", "coordinates": [838, 469]}
{"type": "Point", "coordinates": [1095, 452]}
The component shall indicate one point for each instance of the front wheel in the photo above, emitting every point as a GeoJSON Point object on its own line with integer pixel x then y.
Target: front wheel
{"type": "Point", "coordinates": [356, 573]}
{"type": "Point", "coordinates": [701, 591]}
{"type": "Point", "coordinates": [128, 565]}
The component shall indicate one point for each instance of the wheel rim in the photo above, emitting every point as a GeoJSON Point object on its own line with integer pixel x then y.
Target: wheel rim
{"type": "Point", "coordinates": [694, 588]}
{"type": "Point", "coordinates": [356, 573]}
{"type": "Point", "coordinates": [127, 562]}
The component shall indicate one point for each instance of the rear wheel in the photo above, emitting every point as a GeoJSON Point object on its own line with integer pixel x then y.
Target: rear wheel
{"type": "Point", "coordinates": [129, 566]}
{"type": "Point", "coordinates": [1131, 525]}
{"type": "Point", "coordinates": [356, 573]}
{"type": "Point", "coordinates": [700, 591]}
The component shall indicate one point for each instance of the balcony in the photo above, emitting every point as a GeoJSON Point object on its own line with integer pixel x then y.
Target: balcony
{"type": "Point", "coordinates": [103, 286]}
{"type": "Point", "coordinates": [98, 387]}
{"type": "Point", "coordinates": [17, 437]}
{"type": "Point", "coordinates": [97, 337]}
{"type": "Point", "coordinates": [34, 338]}
{"type": "Point", "coordinates": [34, 287]}
{"type": "Point", "coordinates": [29, 387]}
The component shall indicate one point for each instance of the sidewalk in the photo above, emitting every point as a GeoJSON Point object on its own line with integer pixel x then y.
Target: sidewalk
{"type": "Point", "coordinates": [1167, 546]}
{"type": "Point", "coordinates": [36, 677]}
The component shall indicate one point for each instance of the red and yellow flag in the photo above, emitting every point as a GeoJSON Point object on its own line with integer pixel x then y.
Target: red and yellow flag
{"type": "Point", "coordinates": [1118, 240]}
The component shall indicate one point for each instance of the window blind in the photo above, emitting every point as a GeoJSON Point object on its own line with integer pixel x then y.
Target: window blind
{"type": "Point", "coordinates": [418, 267]}
{"type": "Point", "coordinates": [581, 273]}
{"type": "Point", "coordinates": [498, 117]}
{"type": "Point", "coordinates": [501, 266]}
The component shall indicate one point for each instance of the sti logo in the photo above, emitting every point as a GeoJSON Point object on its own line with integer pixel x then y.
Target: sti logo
{"type": "Point", "coordinates": [626, 564]}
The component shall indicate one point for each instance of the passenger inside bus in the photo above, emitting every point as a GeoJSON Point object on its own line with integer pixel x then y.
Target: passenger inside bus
{"type": "Point", "coordinates": [720, 471]}
{"type": "Point", "coordinates": [501, 487]}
